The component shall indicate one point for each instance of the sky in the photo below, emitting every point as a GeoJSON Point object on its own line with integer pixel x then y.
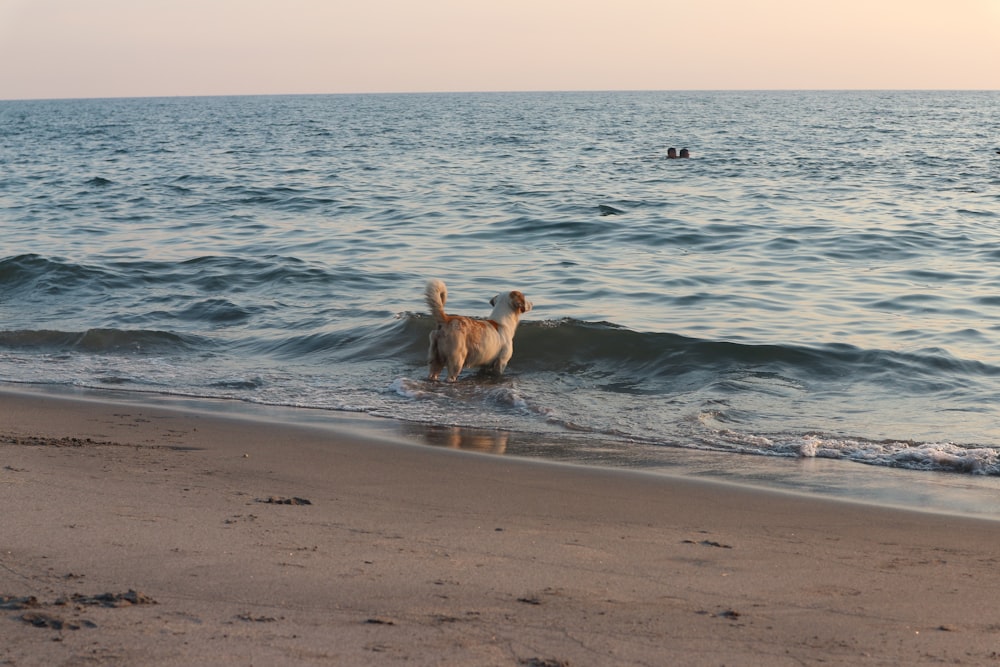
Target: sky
{"type": "Point", "coordinates": [139, 48]}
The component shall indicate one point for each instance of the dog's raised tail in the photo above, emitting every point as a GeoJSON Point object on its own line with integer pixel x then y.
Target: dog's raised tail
{"type": "Point", "coordinates": [436, 294]}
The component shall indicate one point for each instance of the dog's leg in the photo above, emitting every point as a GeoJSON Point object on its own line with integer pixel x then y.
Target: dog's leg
{"type": "Point", "coordinates": [500, 365]}
{"type": "Point", "coordinates": [435, 363]}
{"type": "Point", "coordinates": [455, 365]}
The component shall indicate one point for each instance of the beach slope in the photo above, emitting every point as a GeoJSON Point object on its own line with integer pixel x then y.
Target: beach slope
{"type": "Point", "coordinates": [135, 534]}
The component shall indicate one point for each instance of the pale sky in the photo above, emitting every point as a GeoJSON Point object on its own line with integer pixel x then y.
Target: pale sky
{"type": "Point", "coordinates": [135, 48]}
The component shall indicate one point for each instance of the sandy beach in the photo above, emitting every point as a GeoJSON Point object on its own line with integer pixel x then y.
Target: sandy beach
{"type": "Point", "coordinates": [136, 535]}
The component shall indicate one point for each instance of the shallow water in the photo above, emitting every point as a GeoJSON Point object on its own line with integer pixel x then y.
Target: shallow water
{"type": "Point", "coordinates": [818, 281]}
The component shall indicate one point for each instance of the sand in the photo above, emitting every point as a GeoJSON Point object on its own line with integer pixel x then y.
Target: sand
{"type": "Point", "coordinates": [151, 535]}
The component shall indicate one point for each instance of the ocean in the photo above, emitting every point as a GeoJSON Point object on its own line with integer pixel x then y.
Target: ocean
{"type": "Point", "coordinates": [817, 286]}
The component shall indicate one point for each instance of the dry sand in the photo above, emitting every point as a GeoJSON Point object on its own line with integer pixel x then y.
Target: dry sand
{"type": "Point", "coordinates": [133, 535]}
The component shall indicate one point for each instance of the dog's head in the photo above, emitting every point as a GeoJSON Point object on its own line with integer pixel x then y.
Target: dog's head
{"type": "Point", "coordinates": [515, 301]}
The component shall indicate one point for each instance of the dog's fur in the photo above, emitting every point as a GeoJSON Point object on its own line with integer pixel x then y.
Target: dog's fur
{"type": "Point", "coordinates": [458, 341]}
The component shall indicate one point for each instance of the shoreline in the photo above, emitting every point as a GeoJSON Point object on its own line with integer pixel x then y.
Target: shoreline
{"type": "Point", "coordinates": [935, 492]}
{"type": "Point", "coordinates": [139, 534]}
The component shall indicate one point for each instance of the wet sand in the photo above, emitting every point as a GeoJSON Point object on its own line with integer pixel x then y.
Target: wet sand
{"type": "Point", "coordinates": [145, 535]}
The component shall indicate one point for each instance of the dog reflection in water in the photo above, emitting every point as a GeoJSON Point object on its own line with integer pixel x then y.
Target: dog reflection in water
{"type": "Point", "coordinates": [454, 437]}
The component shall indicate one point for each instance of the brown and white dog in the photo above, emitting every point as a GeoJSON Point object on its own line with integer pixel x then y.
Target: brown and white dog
{"type": "Point", "coordinates": [459, 341]}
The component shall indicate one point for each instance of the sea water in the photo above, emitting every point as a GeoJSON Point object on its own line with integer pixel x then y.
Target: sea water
{"type": "Point", "coordinates": [820, 280]}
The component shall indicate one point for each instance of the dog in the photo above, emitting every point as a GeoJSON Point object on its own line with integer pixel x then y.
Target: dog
{"type": "Point", "coordinates": [458, 342]}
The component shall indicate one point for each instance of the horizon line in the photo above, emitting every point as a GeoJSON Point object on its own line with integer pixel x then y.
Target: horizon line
{"type": "Point", "coordinates": [501, 92]}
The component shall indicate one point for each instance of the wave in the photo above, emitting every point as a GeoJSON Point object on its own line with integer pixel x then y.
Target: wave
{"type": "Point", "coordinates": [667, 361]}
{"type": "Point", "coordinates": [100, 341]}
{"type": "Point", "coordinates": [573, 344]}
{"type": "Point", "coordinates": [32, 273]}
{"type": "Point", "coordinates": [906, 454]}
{"type": "Point", "coordinates": [643, 362]}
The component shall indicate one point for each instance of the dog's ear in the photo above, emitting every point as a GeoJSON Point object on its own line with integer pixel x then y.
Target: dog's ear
{"type": "Point", "coordinates": [493, 301]}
